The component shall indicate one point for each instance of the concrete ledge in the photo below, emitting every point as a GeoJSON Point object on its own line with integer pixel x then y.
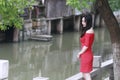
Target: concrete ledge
{"type": "Point", "coordinates": [79, 76]}
{"type": "Point", "coordinates": [97, 61]}
{"type": "Point", "coordinates": [107, 78]}
{"type": "Point", "coordinates": [95, 71]}
{"type": "Point", "coordinates": [4, 69]}
{"type": "Point", "coordinates": [107, 63]}
{"type": "Point", "coordinates": [40, 78]}
{"type": "Point", "coordinates": [75, 77]}
{"type": "Point", "coordinates": [56, 18]}
{"type": "Point", "coordinates": [41, 37]}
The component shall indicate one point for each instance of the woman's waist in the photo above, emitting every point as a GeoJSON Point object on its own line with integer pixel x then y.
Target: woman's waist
{"type": "Point", "coordinates": [88, 51]}
{"type": "Point", "coordinates": [89, 48]}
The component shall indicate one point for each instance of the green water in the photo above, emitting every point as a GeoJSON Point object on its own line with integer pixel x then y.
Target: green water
{"type": "Point", "coordinates": [55, 59]}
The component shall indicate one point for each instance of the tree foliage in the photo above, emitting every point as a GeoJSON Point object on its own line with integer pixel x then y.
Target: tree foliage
{"type": "Point", "coordinates": [10, 11]}
{"type": "Point", "coordinates": [80, 4]}
{"type": "Point", "coordinates": [114, 4]}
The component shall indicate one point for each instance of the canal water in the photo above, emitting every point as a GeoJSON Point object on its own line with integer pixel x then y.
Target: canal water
{"type": "Point", "coordinates": [55, 59]}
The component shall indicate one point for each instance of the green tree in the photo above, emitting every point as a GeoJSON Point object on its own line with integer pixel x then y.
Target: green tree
{"type": "Point", "coordinates": [80, 4]}
{"type": "Point", "coordinates": [114, 4]}
{"type": "Point", "coordinates": [104, 9]}
{"type": "Point", "coordinates": [10, 11]}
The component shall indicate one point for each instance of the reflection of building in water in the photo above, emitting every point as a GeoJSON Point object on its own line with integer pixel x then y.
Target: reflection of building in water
{"type": "Point", "coordinates": [59, 41]}
{"type": "Point", "coordinates": [102, 44]}
{"type": "Point", "coordinates": [59, 64]}
{"type": "Point", "coordinates": [55, 59]}
{"type": "Point", "coordinates": [30, 59]}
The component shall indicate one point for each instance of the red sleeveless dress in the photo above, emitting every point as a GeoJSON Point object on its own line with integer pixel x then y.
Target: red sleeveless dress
{"type": "Point", "coordinates": [86, 59]}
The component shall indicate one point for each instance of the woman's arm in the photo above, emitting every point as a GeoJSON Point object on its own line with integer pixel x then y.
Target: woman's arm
{"type": "Point", "coordinates": [84, 48]}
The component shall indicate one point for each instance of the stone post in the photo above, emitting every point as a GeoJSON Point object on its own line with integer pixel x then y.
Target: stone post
{"type": "Point", "coordinates": [4, 69]}
{"type": "Point", "coordinates": [49, 26]}
{"type": "Point", "coordinates": [76, 23]}
{"type": "Point", "coordinates": [60, 26]}
{"type": "Point", "coordinates": [16, 35]}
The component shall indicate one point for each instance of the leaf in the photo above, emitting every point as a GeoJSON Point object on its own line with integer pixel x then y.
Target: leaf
{"type": "Point", "coordinates": [80, 4]}
{"type": "Point", "coordinates": [10, 11]}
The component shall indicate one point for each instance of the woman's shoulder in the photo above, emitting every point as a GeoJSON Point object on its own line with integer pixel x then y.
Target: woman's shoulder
{"type": "Point", "coordinates": [90, 31]}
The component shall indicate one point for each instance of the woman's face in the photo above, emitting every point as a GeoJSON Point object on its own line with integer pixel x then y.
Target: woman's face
{"type": "Point", "coordinates": [83, 22]}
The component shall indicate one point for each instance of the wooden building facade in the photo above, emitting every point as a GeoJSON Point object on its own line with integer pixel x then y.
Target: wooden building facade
{"type": "Point", "coordinates": [57, 8]}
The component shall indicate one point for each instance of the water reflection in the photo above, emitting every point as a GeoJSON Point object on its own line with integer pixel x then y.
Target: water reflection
{"type": "Point", "coordinates": [55, 59]}
{"type": "Point", "coordinates": [102, 44]}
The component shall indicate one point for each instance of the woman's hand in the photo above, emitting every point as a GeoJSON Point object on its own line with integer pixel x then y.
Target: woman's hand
{"type": "Point", "coordinates": [84, 48]}
{"type": "Point", "coordinates": [78, 55]}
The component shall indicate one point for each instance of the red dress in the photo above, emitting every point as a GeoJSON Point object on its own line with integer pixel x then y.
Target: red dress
{"type": "Point", "coordinates": [86, 59]}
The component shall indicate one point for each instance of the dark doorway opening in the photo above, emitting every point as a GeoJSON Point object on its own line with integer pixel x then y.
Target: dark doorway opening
{"type": "Point", "coordinates": [68, 24]}
{"type": "Point", "coordinates": [9, 34]}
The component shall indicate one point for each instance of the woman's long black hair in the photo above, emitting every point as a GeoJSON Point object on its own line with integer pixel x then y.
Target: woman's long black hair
{"type": "Point", "coordinates": [88, 20]}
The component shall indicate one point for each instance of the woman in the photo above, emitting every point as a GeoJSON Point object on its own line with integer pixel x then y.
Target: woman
{"type": "Point", "coordinates": [87, 37]}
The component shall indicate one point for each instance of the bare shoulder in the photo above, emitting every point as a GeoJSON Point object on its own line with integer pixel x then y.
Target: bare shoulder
{"type": "Point", "coordinates": [90, 31]}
